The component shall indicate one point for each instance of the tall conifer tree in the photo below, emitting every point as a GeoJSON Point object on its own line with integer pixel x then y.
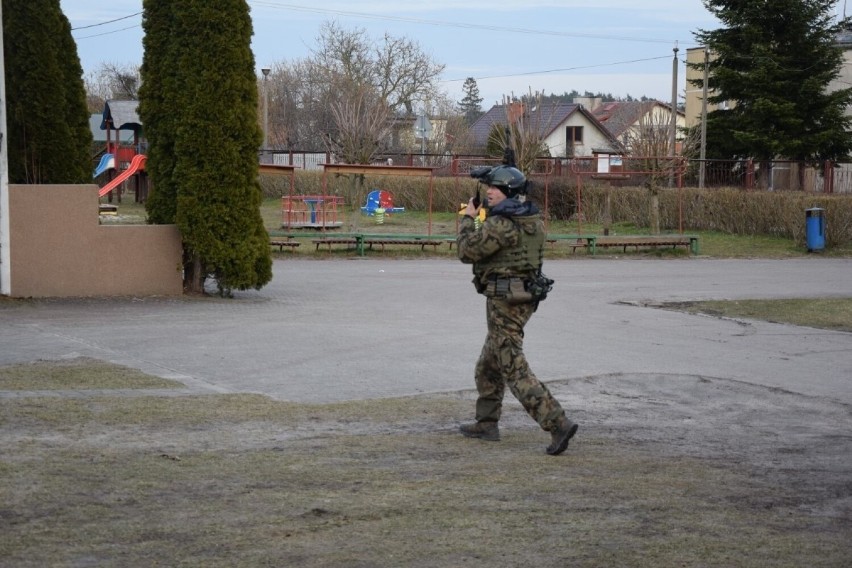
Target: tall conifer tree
{"type": "Point", "coordinates": [774, 61]}
{"type": "Point", "coordinates": [471, 104]}
{"type": "Point", "coordinates": [158, 97]}
{"type": "Point", "coordinates": [199, 107]}
{"type": "Point", "coordinates": [48, 123]}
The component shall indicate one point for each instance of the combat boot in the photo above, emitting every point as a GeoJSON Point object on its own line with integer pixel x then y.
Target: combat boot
{"type": "Point", "coordinates": [483, 430]}
{"type": "Point", "coordinates": [561, 435]}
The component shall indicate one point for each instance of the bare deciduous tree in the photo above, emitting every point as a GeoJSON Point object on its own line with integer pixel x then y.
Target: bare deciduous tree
{"type": "Point", "coordinates": [344, 53]}
{"type": "Point", "coordinates": [361, 121]}
{"type": "Point", "coordinates": [111, 81]}
{"type": "Point", "coordinates": [397, 67]}
{"type": "Point", "coordinates": [299, 105]}
{"type": "Point", "coordinates": [649, 143]}
{"type": "Point", "coordinates": [302, 92]}
{"type": "Point", "coordinates": [361, 129]}
{"type": "Point", "coordinates": [404, 74]}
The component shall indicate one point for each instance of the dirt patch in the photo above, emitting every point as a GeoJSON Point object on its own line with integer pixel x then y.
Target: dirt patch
{"type": "Point", "coordinates": [665, 471]}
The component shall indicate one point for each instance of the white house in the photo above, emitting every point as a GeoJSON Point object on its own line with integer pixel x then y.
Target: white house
{"type": "Point", "coordinates": [567, 129]}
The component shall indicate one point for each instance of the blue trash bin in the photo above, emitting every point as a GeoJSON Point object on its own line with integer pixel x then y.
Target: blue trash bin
{"type": "Point", "coordinates": [815, 228]}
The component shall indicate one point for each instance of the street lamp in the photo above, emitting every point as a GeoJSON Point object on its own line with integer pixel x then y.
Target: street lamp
{"type": "Point", "coordinates": [265, 72]}
{"type": "Point", "coordinates": [702, 172]}
{"type": "Point", "coordinates": [673, 129]}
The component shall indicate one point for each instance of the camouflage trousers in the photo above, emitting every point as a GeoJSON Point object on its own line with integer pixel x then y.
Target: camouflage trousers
{"type": "Point", "coordinates": [502, 362]}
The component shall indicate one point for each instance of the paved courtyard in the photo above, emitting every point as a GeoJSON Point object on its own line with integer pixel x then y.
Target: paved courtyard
{"type": "Point", "coordinates": [336, 330]}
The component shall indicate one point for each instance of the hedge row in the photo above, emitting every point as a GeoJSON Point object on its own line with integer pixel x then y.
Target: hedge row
{"type": "Point", "coordinates": [732, 211]}
{"type": "Point", "coordinates": [409, 192]}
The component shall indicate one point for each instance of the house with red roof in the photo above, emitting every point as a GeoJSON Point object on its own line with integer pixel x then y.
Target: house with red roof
{"type": "Point", "coordinates": [632, 121]}
{"type": "Point", "coordinates": [567, 129]}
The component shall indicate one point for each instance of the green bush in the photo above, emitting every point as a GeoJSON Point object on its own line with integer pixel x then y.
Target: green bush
{"type": "Point", "coordinates": [737, 212]}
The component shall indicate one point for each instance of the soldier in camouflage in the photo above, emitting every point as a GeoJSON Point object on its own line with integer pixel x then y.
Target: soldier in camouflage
{"type": "Point", "coordinates": [506, 253]}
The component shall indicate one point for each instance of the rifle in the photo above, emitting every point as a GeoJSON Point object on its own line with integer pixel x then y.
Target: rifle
{"type": "Point", "coordinates": [508, 151]}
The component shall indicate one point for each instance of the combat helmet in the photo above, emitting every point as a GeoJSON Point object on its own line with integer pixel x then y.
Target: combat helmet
{"type": "Point", "coordinates": [510, 180]}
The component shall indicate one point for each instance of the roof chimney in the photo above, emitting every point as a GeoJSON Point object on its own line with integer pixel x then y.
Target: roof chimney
{"type": "Point", "coordinates": [589, 103]}
{"type": "Point", "coordinates": [514, 112]}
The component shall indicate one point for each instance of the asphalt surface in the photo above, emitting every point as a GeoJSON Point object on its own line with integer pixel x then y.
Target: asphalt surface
{"type": "Point", "coordinates": [325, 331]}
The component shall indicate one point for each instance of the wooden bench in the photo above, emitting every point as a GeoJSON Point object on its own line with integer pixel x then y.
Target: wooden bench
{"type": "Point", "coordinates": [361, 242]}
{"type": "Point", "coordinates": [281, 244]}
{"type": "Point", "coordinates": [575, 241]}
{"type": "Point", "coordinates": [348, 241]}
{"type": "Point", "coordinates": [649, 241]}
{"type": "Point", "coordinates": [381, 241]}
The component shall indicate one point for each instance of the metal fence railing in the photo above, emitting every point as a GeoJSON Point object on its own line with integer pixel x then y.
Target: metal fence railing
{"type": "Point", "coordinates": [776, 175]}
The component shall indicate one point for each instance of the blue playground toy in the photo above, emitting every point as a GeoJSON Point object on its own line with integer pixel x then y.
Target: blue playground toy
{"type": "Point", "coordinates": [380, 199]}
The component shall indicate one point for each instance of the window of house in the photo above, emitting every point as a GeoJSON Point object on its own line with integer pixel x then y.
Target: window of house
{"type": "Point", "coordinates": [573, 137]}
{"type": "Point", "coordinates": [574, 134]}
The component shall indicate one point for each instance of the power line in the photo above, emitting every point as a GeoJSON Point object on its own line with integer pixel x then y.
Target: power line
{"type": "Point", "coordinates": [564, 69]}
{"type": "Point", "coordinates": [282, 6]}
{"type": "Point", "coordinates": [107, 22]}
{"type": "Point", "coordinates": [444, 23]}
{"type": "Point", "coordinates": [108, 33]}
{"type": "Point", "coordinates": [440, 23]}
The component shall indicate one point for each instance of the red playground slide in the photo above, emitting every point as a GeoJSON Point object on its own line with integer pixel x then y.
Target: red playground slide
{"type": "Point", "coordinates": [136, 164]}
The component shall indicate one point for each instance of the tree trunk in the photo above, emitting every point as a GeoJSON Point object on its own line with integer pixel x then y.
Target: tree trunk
{"type": "Point", "coordinates": [355, 196]}
{"type": "Point", "coordinates": [655, 214]}
{"type": "Point", "coordinates": [193, 278]}
{"type": "Point", "coordinates": [654, 208]}
{"type": "Point", "coordinates": [764, 178]}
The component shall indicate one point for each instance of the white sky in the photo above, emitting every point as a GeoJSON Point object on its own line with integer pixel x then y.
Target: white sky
{"type": "Point", "coordinates": [509, 46]}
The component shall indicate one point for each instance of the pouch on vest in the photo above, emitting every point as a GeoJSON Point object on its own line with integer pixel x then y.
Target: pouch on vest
{"type": "Point", "coordinates": [508, 288]}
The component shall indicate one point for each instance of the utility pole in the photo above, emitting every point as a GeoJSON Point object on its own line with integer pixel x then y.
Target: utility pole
{"type": "Point", "coordinates": [673, 130]}
{"type": "Point", "coordinates": [265, 154]}
{"type": "Point", "coordinates": [703, 156]}
{"type": "Point", "coordinates": [5, 237]}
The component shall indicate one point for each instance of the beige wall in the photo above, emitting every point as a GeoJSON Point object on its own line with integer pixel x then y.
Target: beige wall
{"type": "Point", "coordinates": [844, 79]}
{"type": "Point", "coordinates": [58, 248]}
{"type": "Point", "coordinates": [694, 93]}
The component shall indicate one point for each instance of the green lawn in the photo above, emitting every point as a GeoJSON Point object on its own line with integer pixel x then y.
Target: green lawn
{"type": "Point", "coordinates": [712, 244]}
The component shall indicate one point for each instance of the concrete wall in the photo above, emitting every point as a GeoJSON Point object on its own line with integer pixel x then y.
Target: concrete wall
{"type": "Point", "coordinates": [843, 80]}
{"type": "Point", "coordinates": [58, 248]}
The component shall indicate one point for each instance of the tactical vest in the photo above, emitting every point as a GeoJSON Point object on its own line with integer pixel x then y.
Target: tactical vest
{"type": "Point", "coordinates": [522, 259]}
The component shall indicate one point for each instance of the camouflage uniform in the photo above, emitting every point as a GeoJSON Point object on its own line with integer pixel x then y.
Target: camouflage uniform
{"type": "Point", "coordinates": [509, 243]}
